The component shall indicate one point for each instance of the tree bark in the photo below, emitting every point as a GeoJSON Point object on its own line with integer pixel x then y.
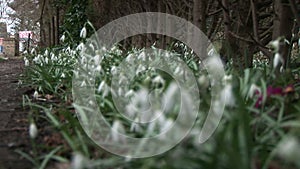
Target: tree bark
{"type": "Point", "coordinates": [283, 25]}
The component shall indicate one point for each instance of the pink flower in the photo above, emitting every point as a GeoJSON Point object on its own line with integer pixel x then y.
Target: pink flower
{"type": "Point", "coordinates": [271, 91]}
{"type": "Point", "coordinates": [274, 91]}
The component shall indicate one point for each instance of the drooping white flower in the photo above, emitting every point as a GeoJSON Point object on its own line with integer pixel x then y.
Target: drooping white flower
{"type": "Point", "coordinates": [36, 59]}
{"type": "Point", "coordinates": [116, 130]}
{"type": "Point", "coordinates": [113, 70]}
{"type": "Point", "coordinates": [158, 80]}
{"type": "Point", "coordinates": [135, 127]}
{"type": "Point", "coordinates": [281, 69]}
{"type": "Point", "coordinates": [35, 94]}
{"type": "Point", "coordinates": [289, 149]}
{"type": "Point", "coordinates": [83, 84]}
{"type": "Point", "coordinates": [46, 60]}
{"type": "Point", "coordinates": [227, 78]}
{"type": "Point", "coordinates": [142, 56]}
{"type": "Point", "coordinates": [212, 52]}
{"type": "Point", "coordinates": [227, 96]}
{"type": "Point", "coordinates": [99, 68]}
{"type": "Point", "coordinates": [277, 60]}
{"type": "Point", "coordinates": [80, 47]}
{"type": "Point", "coordinates": [63, 75]}
{"type": "Point", "coordinates": [130, 58]}
{"type": "Point", "coordinates": [166, 125]}
{"type": "Point", "coordinates": [78, 161]}
{"type": "Point", "coordinates": [62, 38]}
{"type": "Point", "coordinates": [130, 93]}
{"type": "Point", "coordinates": [203, 81]}
{"type": "Point", "coordinates": [46, 52]}
{"type": "Point", "coordinates": [32, 51]}
{"type": "Point", "coordinates": [140, 69]}
{"type": "Point", "coordinates": [253, 89]}
{"type": "Point", "coordinates": [83, 32]}
{"type": "Point", "coordinates": [92, 46]}
{"type": "Point", "coordinates": [101, 86]}
{"type": "Point", "coordinates": [169, 98]}
{"type": "Point", "coordinates": [120, 91]}
{"type": "Point", "coordinates": [178, 71]}
{"type": "Point", "coordinates": [26, 62]}
{"type": "Point", "coordinates": [33, 131]}
{"type": "Point", "coordinates": [97, 59]}
{"type": "Point", "coordinates": [275, 44]}
{"type": "Point", "coordinates": [215, 67]}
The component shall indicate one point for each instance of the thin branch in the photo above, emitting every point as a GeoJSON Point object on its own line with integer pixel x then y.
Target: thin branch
{"type": "Point", "coordinates": [240, 38]}
{"type": "Point", "coordinates": [42, 11]}
{"type": "Point", "coordinates": [215, 12]}
{"type": "Point", "coordinates": [223, 7]}
{"type": "Point", "coordinates": [295, 12]}
{"type": "Point", "coordinates": [254, 20]}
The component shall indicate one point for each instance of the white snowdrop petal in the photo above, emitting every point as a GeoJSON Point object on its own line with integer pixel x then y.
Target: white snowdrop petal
{"type": "Point", "coordinates": [33, 131]}
{"type": "Point", "coordinates": [83, 32]}
{"type": "Point", "coordinates": [35, 95]}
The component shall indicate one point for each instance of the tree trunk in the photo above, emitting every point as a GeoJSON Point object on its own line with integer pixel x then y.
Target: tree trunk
{"type": "Point", "coordinates": [283, 25]}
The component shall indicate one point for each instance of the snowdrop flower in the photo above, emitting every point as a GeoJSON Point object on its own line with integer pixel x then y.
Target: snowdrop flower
{"type": "Point", "coordinates": [83, 32]}
{"type": "Point", "coordinates": [227, 96]}
{"type": "Point", "coordinates": [62, 38]}
{"type": "Point", "coordinates": [32, 51]}
{"type": "Point", "coordinates": [92, 46]}
{"type": "Point", "coordinates": [116, 129]}
{"type": "Point", "coordinates": [130, 93]}
{"type": "Point", "coordinates": [46, 60]}
{"type": "Point", "coordinates": [103, 49]}
{"type": "Point", "coordinates": [253, 90]}
{"type": "Point", "coordinates": [83, 84]}
{"type": "Point", "coordinates": [169, 98]}
{"type": "Point", "coordinates": [130, 58]}
{"type": "Point", "coordinates": [281, 69]}
{"type": "Point", "coordinates": [78, 161]}
{"type": "Point", "coordinates": [53, 57]}
{"type": "Point", "coordinates": [80, 47]}
{"type": "Point", "coordinates": [275, 44]}
{"type": "Point", "coordinates": [203, 81]}
{"type": "Point", "coordinates": [214, 64]}
{"type": "Point", "coordinates": [26, 62]}
{"type": "Point", "coordinates": [68, 50]}
{"type": "Point", "coordinates": [35, 95]}
{"type": "Point", "coordinates": [158, 80]}
{"type": "Point", "coordinates": [165, 125]}
{"type": "Point", "coordinates": [135, 127]}
{"type": "Point", "coordinates": [120, 91]}
{"type": "Point", "coordinates": [277, 60]}
{"type": "Point", "coordinates": [46, 52]}
{"type": "Point", "coordinates": [227, 78]}
{"type": "Point", "coordinates": [101, 86]}
{"type": "Point", "coordinates": [113, 70]}
{"type": "Point", "coordinates": [142, 56]}
{"type": "Point", "coordinates": [178, 71]}
{"type": "Point", "coordinates": [212, 52]}
{"type": "Point", "coordinates": [289, 149]}
{"type": "Point", "coordinates": [63, 75]}
{"type": "Point", "coordinates": [33, 131]}
{"type": "Point", "coordinates": [99, 68]}
{"type": "Point", "coordinates": [140, 68]}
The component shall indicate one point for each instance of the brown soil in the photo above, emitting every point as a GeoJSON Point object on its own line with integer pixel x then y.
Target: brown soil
{"type": "Point", "coordinates": [13, 118]}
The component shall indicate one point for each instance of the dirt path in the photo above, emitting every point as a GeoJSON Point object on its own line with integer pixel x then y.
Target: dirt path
{"type": "Point", "coordinates": [13, 119]}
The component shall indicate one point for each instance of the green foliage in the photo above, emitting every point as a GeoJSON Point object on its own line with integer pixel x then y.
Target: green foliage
{"type": "Point", "coordinates": [250, 133]}
{"type": "Point", "coordinates": [74, 19]}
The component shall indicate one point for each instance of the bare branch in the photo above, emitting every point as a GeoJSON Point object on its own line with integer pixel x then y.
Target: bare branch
{"type": "Point", "coordinates": [295, 11]}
